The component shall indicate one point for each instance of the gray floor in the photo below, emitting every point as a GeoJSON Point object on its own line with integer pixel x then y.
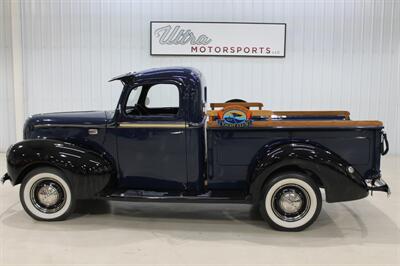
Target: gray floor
{"type": "Point", "coordinates": [360, 232]}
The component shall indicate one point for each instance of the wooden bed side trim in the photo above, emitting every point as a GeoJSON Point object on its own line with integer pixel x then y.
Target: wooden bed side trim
{"type": "Point", "coordinates": [268, 113]}
{"type": "Point", "coordinates": [346, 114]}
{"type": "Point", "coordinates": [307, 124]}
{"type": "Point", "coordinates": [244, 104]}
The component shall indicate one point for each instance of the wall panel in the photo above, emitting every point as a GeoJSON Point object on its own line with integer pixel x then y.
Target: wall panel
{"type": "Point", "coordinates": [340, 54]}
{"type": "Point", "coordinates": [7, 120]}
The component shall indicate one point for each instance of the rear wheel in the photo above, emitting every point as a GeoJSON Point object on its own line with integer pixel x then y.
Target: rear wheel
{"type": "Point", "coordinates": [46, 195]}
{"type": "Point", "coordinates": [290, 202]}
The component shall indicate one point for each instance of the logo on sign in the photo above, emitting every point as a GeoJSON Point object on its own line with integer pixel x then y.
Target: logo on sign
{"type": "Point", "coordinates": [178, 35]}
{"type": "Point", "coordinates": [234, 116]}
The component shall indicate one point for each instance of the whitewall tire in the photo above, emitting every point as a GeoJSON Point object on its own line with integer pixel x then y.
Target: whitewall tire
{"type": "Point", "coordinates": [290, 201]}
{"type": "Point", "coordinates": [46, 195]}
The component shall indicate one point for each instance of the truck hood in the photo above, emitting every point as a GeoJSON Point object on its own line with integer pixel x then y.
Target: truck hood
{"type": "Point", "coordinates": [69, 126]}
{"type": "Point", "coordinates": [77, 119]}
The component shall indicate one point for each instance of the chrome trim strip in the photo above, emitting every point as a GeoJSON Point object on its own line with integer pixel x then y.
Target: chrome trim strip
{"type": "Point", "coordinates": [152, 125]}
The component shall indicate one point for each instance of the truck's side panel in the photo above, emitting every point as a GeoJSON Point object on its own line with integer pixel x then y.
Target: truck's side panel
{"type": "Point", "coordinates": [230, 154]}
{"type": "Point", "coordinates": [232, 150]}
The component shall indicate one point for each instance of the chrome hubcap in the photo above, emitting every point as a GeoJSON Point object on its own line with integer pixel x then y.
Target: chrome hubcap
{"type": "Point", "coordinates": [47, 195]}
{"type": "Point", "coordinates": [290, 202]}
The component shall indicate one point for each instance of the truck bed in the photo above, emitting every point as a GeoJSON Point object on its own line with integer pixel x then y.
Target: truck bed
{"type": "Point", "coordinates": [231, 150]}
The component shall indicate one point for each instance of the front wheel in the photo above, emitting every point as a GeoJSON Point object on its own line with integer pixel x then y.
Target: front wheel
{"type": "Point", "coordinates": [290, 202]}
{"type": "Point", "coordinates": [46, 195]}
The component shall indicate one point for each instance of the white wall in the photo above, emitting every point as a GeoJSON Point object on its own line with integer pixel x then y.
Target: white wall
{"type": "Point", "coordinates": [7, 124]}
{"type": "Point", "coordinates": [340, 54]}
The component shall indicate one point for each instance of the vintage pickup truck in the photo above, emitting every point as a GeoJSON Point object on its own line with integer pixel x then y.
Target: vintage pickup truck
{"type": "Point", "coordinates": [161, 144]}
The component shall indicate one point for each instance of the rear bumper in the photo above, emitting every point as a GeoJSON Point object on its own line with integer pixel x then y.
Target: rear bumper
{"type": "Point", "coordinates": [377, 184]}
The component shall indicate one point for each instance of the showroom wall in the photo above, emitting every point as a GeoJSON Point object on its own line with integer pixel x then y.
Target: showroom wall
{"type": "Point", "coordinates": [339, 55]}
{"type": "Point", "coordinates": [7, 125]}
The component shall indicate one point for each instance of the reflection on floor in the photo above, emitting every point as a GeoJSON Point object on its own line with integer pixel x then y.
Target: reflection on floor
{"type": "Point", "coordinates": [100, 232]}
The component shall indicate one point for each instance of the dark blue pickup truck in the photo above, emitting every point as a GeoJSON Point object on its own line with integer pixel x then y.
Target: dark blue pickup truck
{"type": "Point", "coordinates": [161, 144]}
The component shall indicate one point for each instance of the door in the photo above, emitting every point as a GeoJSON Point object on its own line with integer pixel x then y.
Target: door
{"type": "Point", "coordinates": [151, 138]}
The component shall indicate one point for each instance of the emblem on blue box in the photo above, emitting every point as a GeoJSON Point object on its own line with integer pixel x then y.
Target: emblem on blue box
{"type": "Point", "coordinates": [234, 116]}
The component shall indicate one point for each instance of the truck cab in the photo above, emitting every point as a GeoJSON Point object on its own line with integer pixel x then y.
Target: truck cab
{"type": "Point", "coordinates": [159, 130]}
{"type": "Point", "coordinates": [161, 144]}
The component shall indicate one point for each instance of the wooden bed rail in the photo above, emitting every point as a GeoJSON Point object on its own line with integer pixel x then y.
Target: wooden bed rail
{"type": "Point", "coordinates": [268, 113]}
{"type": "Point", "coordinates": [307, 124]}
{"type": "Point", "coordinates": [279, 119]}
{"type": "Point", "coordinates": [244, 104]}
{"type": "Point", "coordinates": [345, 114]}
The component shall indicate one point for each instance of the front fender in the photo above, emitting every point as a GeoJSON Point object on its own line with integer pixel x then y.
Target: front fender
{"type": "Point", "coordinates": [328, 167]}
{"type": "Point", "coordinates": [88, 172]}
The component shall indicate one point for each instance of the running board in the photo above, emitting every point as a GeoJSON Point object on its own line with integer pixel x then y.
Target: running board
{"type": "Point", "coordinates": [154, 196]}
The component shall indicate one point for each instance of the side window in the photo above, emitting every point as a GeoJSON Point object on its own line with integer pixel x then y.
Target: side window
{"type": "Point", "coordinates": [134, 97]}
{"type": "Point", "coordinates": [152, 100]}
{"type": "Point", "coordinates": [163, 96]}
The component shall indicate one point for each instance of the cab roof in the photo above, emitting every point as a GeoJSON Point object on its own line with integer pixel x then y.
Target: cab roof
{"type": "Point", "coordinates": [165, 72]}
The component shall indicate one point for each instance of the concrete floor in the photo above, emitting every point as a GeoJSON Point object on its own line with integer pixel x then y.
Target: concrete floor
{"type": "Point", "coordinates": [360, 232]}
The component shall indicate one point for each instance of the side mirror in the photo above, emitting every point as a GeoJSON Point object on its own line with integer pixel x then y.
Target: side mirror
{"type": "Point", "coordinates": [147, 101]}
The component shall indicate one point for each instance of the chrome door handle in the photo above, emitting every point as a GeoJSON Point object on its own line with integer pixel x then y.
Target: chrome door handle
{"type": "Point", "coordinates": [176, 132]}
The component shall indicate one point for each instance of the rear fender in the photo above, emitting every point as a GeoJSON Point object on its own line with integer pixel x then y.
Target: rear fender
{"type": "Point", "coordinates": [329, 168]}
{"type": "Point", "coordinates": [89, 172]}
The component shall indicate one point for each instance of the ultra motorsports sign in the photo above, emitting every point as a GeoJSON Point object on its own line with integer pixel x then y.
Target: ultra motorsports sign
{"type": "Point", "coordinates": [217, 39]}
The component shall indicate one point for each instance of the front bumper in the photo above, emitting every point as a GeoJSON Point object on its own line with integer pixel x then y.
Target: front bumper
{"type": "Point", "coordinates": [4, 178]}
{"type": "Point", "coordinates": [377, 184]}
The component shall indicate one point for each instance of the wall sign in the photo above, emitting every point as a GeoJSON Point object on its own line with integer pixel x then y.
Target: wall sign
{"type": "Point", "coordinates": [217, 39]}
